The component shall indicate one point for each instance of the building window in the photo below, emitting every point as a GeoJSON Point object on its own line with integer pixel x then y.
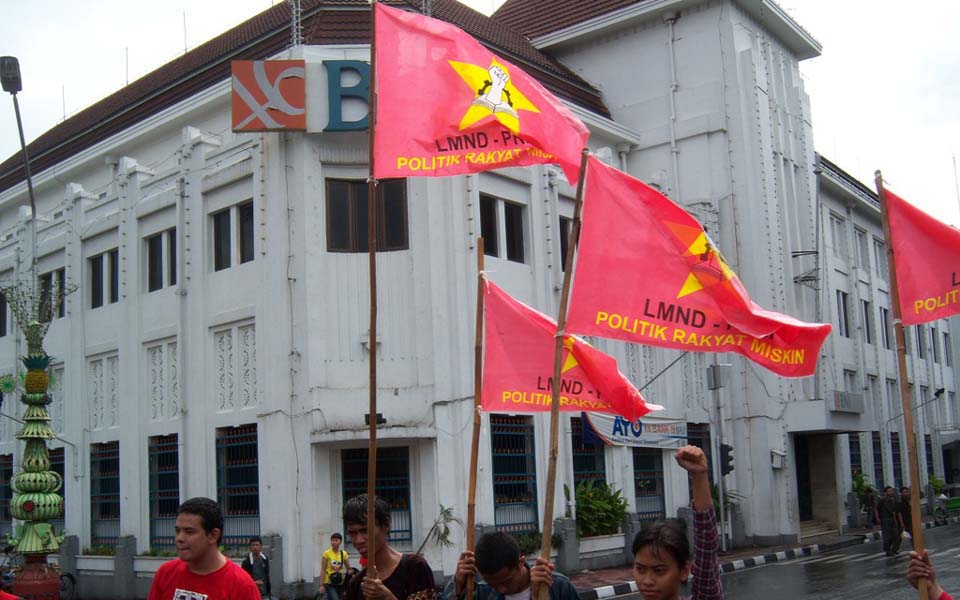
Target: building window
{"type": "Point", "coordinates": [947, 350]}
{"type": "Point", "coordinates": [3, 314]}
{"type": "Point", "coordinates": [867, 324]}
{"type": "Point", "coordinates": [514, 473]}
{"type": "Point", "coordinates": [698, 434]}
{"type": "Point", "coordinates": [6, 493]}
{"type": "Point", "coordinates": [503, 229]}
{"type": "Point", "coordinates": [895, 452]}
{"type": "Point", "coordinates": [935, 344]}
{"type": "Point", "coordinates": [880, 258]}
{"type": "Point", "coordinates": [906, 341]}
{"type": "Point", "coordinates": [953, 411]}
{"type": "Point", "coordinates": [565, 226]}
{"type": "Point", "coordinates": [838, 233]}
{"type": "Point", "coordinates": [57, 466]}
{"type": "Point", "coordinates": [238, 484]}
{"type": "Point", "coordinates": [928, 451]}
{"type": "Point", "coordinates": [113, 260]}
{"type": "Point", "coordinates": [877, 460]}
{"type": "Point", "coordinates": [843, 316]}
{"type": "Point", "coordinates": [104, 278]}
{"type": "Point", "coordinates": [589, 463]}
{"type": "Point", "coordinates": [104, 494]}
{"type": "Point", "coordinates": [232, 246]}
{"type": "Point", "coordinates": [348, 215]}
{"type": "Point", "coordinates": [648, 483]}
{"type": "Point", "coordinates": [393, 485]}
{"type": "Point", "coordinates": [850, 381]}
{"type": "Point", "coordinates": [50, 282]}
{"type": "Point", "coordinates": [245, 231]}
{"type": "Point", "coordinates": [921, 343]}
{"type": "Point", "coordinates": [488, 225]}
{"type": "Point", "coordinates": [96, 281]}
{"type": "Point", "coordinates": [863, 249]}
{"type": "Point", "coordinates": [894, 405]}
{"type": "Point", "coordinates": [161, 260]}
{"type": "Point", "coordinates": [886, 331]}
{"type": "Point", "coordinates": [856, 460]}
{"type": "Point", "coordinates": [164, 489]}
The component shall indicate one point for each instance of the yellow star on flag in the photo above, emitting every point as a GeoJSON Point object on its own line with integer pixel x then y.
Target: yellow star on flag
{"type": "Point", "coordinates": [571, 360]}
{"type": "Point", "coordinates": [479, 78]}
{"type": "Point", "coordinates": [708, 266]}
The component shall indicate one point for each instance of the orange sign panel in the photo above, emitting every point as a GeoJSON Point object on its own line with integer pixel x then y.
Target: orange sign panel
{"type": "Point", "coordinates": [269, 95]}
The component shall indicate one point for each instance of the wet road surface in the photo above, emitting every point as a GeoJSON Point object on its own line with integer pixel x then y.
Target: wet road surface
{"type": "Point", "coordinates": [859, 572]}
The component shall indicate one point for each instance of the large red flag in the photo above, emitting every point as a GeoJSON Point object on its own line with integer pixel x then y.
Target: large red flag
{"type": "Point", "coordinates": [647, 272]}
{"type": "Point", "coordinates": [926, 253]}
{"type": "Point", "coordinates": [448, 106]}
{"type": "Point", "coordinates": [518, 353]}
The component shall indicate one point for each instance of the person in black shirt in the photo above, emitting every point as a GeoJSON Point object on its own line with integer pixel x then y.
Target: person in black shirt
{"type": "Point", "coordinates": [891, 523]}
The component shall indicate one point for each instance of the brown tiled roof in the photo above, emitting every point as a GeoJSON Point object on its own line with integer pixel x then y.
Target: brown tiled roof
{"type": "Point", "coordinates": [534, 18]}
{"type": "Point", "coordinates": [324, 22]}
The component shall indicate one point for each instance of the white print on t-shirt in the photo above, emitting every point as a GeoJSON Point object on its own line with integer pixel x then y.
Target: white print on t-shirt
{"type": "Point", "coordinates": [188, 595]}
{"type": "Point", "coordinates": [524, 595]}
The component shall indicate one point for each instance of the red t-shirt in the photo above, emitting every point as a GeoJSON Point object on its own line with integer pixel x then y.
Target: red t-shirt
{"type": "Point", "coordinates": [6, 596]}
{"type": "Point", "coordinates": [174, 581]}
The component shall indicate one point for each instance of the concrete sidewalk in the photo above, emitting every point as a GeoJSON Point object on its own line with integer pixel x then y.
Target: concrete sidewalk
{"type": "Point", "coordinates": [607, 583]}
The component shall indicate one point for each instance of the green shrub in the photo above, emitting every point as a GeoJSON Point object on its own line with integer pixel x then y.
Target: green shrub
{"type": "Point", "coordinates": [936, 483]}
{"type": "Point", "coordinates": [600, 509]}
{"type": "Point", "coordinates": [100, 551]}
{"type": "Point", "coordinates": [530, 543]}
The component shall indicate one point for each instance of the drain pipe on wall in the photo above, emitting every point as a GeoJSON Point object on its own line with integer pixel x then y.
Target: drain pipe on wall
{"type": "Point", "coordinates": [670, 19]}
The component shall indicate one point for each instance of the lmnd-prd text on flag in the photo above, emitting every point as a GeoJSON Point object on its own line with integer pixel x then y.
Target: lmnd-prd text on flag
{"type": "Point", "coordinates": [926, 253]}
{"type": "Point", "coordinates": [647, 272]}
{"type": "Point", "coordinates": [518, 362]}
{"type": "Point", "coordinates": [448, 106]}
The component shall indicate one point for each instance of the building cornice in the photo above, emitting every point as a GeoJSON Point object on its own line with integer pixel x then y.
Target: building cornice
{"type": "Point", "coordinates": [781, 24]}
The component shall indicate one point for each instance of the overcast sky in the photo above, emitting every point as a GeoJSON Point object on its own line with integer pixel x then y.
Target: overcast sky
{"type": "Point", "coordinates": [885, 93]}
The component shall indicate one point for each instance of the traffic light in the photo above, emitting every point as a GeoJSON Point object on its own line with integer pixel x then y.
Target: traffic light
{"type": "Point", "coordinates": [726, 458]}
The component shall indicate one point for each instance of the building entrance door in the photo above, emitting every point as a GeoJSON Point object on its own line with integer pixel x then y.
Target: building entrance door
{"type": "Point", "coordinates": [801, 452]}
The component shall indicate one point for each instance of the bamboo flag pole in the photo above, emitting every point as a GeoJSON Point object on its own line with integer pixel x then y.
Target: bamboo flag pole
{"type": "Point", "coordinates": [547, 529]}
{"type": "Point", "coordinates": [917, 533]}
{"type": "Point", "coordinates": [372, 252]}
{"type": "Point", "coordinates": [477, 390]}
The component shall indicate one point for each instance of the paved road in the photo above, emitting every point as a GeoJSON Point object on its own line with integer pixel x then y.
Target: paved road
{"type": "Point", "coordinates": [858, 572]}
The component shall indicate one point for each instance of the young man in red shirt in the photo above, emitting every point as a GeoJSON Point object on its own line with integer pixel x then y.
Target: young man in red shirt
{"type": "Point", "coordinates": [201, 572]}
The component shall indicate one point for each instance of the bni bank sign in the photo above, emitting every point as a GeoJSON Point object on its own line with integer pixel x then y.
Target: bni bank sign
{"type": "Point", "coordinates": [327, 95]}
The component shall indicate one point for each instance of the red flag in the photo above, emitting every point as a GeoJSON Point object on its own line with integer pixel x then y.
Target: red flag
{"type": "Point", "coordinates": [647, 272]}
{"type": "Point", "coordinates": [926, 253]}
{"type": "Point", "coordinates": [518, 365]}
{"type": "Point", "coordinates": [448, 106]}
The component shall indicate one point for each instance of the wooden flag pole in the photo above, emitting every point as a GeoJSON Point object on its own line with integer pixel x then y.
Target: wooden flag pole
{"type": "Point", "coordinates": [477, 391]}
{"type": "Point", "coordinates": [372, 252]}
{"type": "Point", "coordinates": [549, 493]}
{"type": "Point", "coordinates": [917, 533]}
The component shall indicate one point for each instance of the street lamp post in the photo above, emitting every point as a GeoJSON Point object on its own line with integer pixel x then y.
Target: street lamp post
{"type": "Point", "coordinates": [10, 79]}
{"type": "Point", "coordinates": [36, 500]}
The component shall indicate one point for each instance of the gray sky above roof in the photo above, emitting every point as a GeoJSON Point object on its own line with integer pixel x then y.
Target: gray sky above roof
{"type": "Point", "coordinates": [885, 94]}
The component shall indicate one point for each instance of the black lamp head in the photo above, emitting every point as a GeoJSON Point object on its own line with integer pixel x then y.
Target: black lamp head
{"type": "Point", "coordinates": [10, 74]}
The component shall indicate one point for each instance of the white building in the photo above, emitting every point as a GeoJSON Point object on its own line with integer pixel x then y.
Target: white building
{"type": "Point", "coordinates": [218, 342]}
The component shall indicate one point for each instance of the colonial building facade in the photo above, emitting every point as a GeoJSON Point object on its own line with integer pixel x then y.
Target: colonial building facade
{"type": "Point", "coordinates": [218, 342]}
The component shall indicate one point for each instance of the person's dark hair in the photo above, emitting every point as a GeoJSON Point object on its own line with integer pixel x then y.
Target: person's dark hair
{"type": "Point", "coordinates": [355, 511]}
{"type": "Point", "coordinates": [889, 487]}
{"type": "Point", "coordinates": [904, 489]}
{"type": "Point", "coordinates": [496, 550]}
{"type": "Point", "coordinates": [211, 517]}
{"type": "Point", "coordinates": [336, 536]}
{"type": "Point", "coordinates": [256, 538]}
{"type": "Point", "coordinates": [668, 536]}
